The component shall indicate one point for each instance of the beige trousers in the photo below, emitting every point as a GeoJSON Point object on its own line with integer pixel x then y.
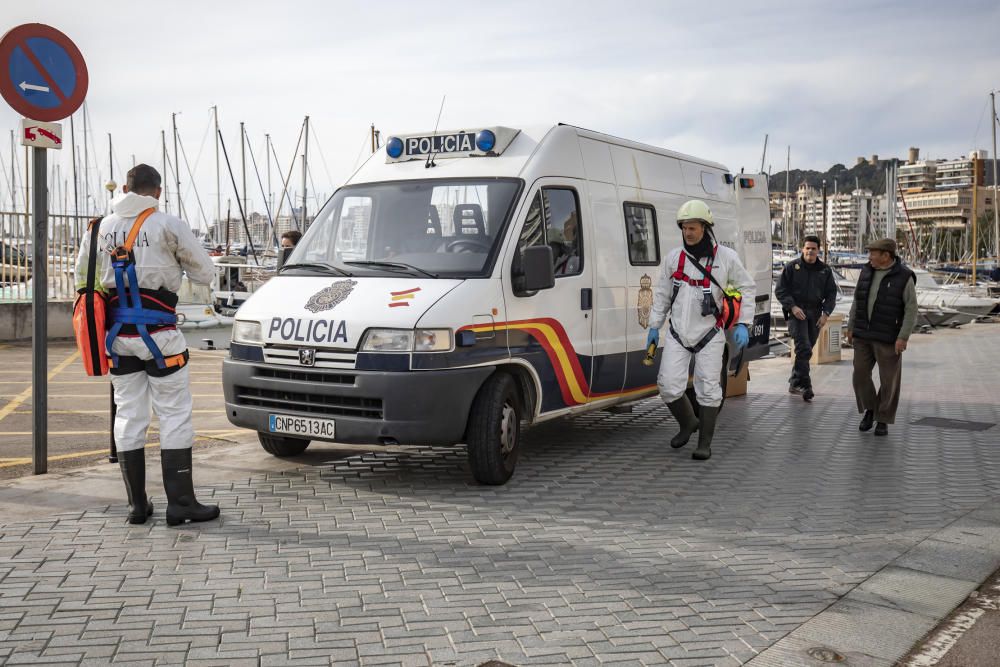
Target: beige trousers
{"type": "Point", "coordinates": [883, 403]}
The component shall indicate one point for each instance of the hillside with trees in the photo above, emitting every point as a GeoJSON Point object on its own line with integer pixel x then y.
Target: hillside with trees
{"type": "Point", "coordinates": [870, 177]}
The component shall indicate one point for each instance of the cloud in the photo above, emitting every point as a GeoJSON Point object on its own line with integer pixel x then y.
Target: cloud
{"type": "Point", "coordinates": [710, 79]}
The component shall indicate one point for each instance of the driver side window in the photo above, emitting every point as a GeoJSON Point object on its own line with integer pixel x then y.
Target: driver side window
{"type": "Point", "coordinates": [554, 219]}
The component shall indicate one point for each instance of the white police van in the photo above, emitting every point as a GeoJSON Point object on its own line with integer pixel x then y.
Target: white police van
{"type": "Point", "coordinates": [463, 282]}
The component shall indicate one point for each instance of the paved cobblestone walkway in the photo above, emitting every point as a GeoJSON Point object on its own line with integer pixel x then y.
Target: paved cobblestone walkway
{"type": "Point", "coordinates": [607, 547]}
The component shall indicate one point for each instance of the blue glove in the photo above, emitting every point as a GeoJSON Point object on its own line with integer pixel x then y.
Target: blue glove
{"type": "Point", "coordinates": [741, 336]}
{"type": "Point", "coordinates": [653, 337]}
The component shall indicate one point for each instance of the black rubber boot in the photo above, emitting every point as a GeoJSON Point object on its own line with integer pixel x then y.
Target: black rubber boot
{"type": "Point", "coordinates": [708, 419]}
{"type": "Point", "coordinates": [133, 465]}
{"type": "Point", "coordinates": [684, 414]}
{"type": "Point", "coordinates": [177, 481]}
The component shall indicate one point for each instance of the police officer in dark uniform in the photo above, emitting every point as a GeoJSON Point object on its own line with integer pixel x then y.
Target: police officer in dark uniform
{"type": "Point", "coordinates": [808, 294]}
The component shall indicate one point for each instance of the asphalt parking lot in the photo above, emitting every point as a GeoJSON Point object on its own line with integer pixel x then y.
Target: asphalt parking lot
{"type": "Point", "coordinates": [79, 408]}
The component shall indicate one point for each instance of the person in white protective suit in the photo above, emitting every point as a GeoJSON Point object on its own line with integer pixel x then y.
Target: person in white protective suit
{"type": "Point", "coordinates": [689, 301]}
{"type": "Point", "coordinates": [147, 352]}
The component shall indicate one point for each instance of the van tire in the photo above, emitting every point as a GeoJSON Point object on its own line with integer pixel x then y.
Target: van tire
{"type": "Point", "coordinates": [281, 447]}
{"type": "Point", "coordinates": [723, 382]}
{"type": "Point", "coordinates": [494, 434]}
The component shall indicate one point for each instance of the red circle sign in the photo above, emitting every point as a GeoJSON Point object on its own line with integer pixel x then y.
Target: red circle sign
{"type": "Point", "coordinates": [42, 73]}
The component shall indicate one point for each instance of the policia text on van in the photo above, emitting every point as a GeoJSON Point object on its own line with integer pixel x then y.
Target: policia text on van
{"type": "Point", "coordinates": [511, 281]}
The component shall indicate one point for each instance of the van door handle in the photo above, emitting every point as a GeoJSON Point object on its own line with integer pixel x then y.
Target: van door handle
{"type": "Point", "coordinates": [586, 298]}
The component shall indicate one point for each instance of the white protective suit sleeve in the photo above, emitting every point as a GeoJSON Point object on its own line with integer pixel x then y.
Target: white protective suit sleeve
{"type": "Point", "coordinates": [737, 276]}
{"type": "Point", "coordinates": [189, 253]}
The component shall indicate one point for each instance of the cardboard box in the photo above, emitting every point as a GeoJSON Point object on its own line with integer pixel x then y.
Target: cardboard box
{"type": "Point", "coordinates": [736, 385]}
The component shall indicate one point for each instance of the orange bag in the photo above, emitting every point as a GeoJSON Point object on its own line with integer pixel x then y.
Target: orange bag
{"type": "Point", "coordinates": [89, 315]}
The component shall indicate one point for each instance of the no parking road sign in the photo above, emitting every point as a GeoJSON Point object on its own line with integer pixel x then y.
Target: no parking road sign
{"type": "Point", "coordinates": [42, 73]}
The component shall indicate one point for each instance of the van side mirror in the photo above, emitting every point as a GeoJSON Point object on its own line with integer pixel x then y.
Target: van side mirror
{"type": "Point", "coordinates": [283, 255]}
{"type": "Point", "coordinates": [537, 265]}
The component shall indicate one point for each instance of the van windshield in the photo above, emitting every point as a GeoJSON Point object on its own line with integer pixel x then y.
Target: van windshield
{"type": "Point", "coordinates": [445, 227]}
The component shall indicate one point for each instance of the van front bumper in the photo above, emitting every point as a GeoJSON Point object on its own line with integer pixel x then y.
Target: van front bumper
{"type": "Point", "coordinates": [368, 407]}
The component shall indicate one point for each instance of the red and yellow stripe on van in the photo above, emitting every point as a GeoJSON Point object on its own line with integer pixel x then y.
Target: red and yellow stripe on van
{"type": "Point", "coordinates": [549, 333]}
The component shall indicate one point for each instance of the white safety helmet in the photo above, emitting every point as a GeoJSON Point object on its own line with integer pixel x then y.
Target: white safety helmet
{"type": "Point", "coordinates": [695, 209]}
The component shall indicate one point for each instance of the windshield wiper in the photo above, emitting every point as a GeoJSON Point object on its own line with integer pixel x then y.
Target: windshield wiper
{"type": "Point", "coordinates": [394, 265]}
{"type": "Point", "coordinates": [317, 266]}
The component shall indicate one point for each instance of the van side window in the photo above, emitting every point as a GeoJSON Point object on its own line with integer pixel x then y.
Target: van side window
{"type": "Point", "coordinates": [643, 235]}
{"type": "Point", "coordinates": [554, 219]}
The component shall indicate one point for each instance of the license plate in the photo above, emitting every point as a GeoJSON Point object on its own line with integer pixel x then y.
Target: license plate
{"type": "Point", "coordinates": [304, 426]}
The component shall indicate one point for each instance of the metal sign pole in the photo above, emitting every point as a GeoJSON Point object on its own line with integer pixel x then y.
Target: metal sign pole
{"type": "Point", "coordinates": [113, 450]}
{"type": "Point", "coordinates": [39, 330]}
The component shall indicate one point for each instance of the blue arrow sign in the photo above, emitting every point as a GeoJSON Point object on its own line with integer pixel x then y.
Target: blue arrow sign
{"type": "Point", "coordinates": [42, 73]}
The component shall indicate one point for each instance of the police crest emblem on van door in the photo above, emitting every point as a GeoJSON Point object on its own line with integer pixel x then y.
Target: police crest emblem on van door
{"type": "Point", "coordinates": [329, 297]}
{"type": "Point", "coordinates": [307, 356]}
{"type": "Point", "coordinates": [644, 304]}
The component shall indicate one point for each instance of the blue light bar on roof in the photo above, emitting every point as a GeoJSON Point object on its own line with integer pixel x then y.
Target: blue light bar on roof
{"type": "Point", "coordinates": [482, 142]}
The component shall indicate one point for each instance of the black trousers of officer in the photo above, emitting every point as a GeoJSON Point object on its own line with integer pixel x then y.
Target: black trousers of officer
{"type": "Point", "coordinates": [804, 333]}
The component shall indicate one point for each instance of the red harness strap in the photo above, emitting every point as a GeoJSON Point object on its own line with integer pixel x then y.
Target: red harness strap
{"type": "Point", "coordinates": [683, 277]}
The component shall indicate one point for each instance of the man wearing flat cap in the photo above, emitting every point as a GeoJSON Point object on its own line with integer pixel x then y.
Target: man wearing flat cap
{"type": "Point", "coordinates": [881, 321]}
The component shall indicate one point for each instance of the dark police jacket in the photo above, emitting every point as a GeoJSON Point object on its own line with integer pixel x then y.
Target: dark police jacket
{"type": "Point", "coordinates": [811, 287]}
{"type": "Point", "coordinates": [887, 313]}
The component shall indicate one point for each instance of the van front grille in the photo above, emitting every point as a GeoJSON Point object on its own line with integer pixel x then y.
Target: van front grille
{"type": "Point", "coordinates": [304, 376]}
{"type": "Point", "coordinates": [319, 404]}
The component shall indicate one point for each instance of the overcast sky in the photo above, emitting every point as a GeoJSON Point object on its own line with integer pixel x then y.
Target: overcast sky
{"type": "Point", "coordinates": [706, 78]}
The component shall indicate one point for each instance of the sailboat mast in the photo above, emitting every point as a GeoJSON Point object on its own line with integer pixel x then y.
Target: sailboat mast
{"type": "Point", "coordinates": [86, 163]}
{"type": "Point", "coordinates": [975, 216]}
{"type": "Point", "coordinates": [305, 163]}
{"type": "Point", "coordinates": [996, 206]}
{"type": "Point", "coordinates": [789, 233]}
{"type": "Point", "coordinates": [13, 174]}
{"type": "Point", "coordinates": [218, 186]}
{"type": "Point", "coordinates": [111, 172]}
{"type": "Point", "coordinates": [243, 164]}
{"type": "Point", "coordinates": [166, 195]}
{"type": "Point", "coordinates": [177, 168]}
{"type": "Point", "coordinates": [267, 154]}
{"type": "Point", "coordinates": [76, 200]}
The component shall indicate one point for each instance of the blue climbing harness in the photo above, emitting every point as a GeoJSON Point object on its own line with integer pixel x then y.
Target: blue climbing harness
{"type": "Point", "coordinates": [123, 261]}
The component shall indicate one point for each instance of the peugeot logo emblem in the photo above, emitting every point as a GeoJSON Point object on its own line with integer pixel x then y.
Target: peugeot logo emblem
{"type": "Point", "coordinates": [307, 356]}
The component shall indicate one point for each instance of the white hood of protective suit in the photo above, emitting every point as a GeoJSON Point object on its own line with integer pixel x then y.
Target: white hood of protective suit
{"type": "Point", "coordinates": [164, 249]}
{"type": "Point", "coordinates": [335, 312]}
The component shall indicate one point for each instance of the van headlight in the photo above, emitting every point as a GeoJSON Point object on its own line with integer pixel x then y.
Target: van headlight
{"type": "Point", "coordinates": [247, 332]}
{"type": "Point", "coordinates": [388, 340]}
{"type": "Point", "coordinates": [432, 340]}
{"type": "Point", "coordinates": [407, 340]}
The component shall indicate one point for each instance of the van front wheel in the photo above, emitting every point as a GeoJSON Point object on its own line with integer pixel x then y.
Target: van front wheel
{"type": "Point", "coordinates": [494, 434]}
{"type": "Point", "coordinates": [279, 446]}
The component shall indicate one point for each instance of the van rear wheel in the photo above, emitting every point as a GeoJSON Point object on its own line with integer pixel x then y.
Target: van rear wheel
{"type": "Point", "coordinates": [277, 445]}
{"type": "Point", "coordinates": [494, 435]}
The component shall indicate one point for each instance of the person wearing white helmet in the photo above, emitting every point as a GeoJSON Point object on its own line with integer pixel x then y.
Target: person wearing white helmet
{"type": "Point", "coordinates": [689, 297]}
